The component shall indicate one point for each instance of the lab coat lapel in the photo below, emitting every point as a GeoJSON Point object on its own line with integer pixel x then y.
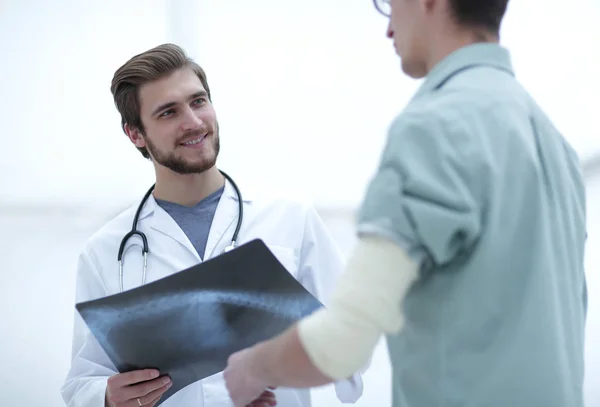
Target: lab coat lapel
{"type": "Point", "coordinates": [163, 222]}
{"type": "Point", "coordinates": [224, 222]}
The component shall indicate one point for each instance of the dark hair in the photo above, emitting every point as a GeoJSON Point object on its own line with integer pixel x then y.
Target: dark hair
{"type": "Point", "coordinates": [148, 66]}
{"type": "Point", "coordinates": [484, 14]}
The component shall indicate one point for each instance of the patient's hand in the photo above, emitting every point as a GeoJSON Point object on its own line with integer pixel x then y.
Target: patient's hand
{"type": "Point", "coordinates": [267, 399]}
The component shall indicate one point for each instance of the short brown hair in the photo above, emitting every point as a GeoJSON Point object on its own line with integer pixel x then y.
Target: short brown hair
{"type": "Point", "coordinates": [148, 66]}
{"type": "Point", "coordinates": [486, 14]}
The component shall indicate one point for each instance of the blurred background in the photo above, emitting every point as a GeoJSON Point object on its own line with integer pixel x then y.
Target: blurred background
{"type": "Point", "coordinates": [304, 92]}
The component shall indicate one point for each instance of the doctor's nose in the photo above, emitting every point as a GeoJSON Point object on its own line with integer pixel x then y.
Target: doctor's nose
{"type": "Point", "coordinates": [191, 120]}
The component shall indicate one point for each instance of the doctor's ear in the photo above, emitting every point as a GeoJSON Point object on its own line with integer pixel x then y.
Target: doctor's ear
{"type": "Point", "coordinates": [135, 135]}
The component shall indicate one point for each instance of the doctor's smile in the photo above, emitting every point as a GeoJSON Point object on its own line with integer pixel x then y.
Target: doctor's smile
{"type": "Point", "coordinates": [194, 142]}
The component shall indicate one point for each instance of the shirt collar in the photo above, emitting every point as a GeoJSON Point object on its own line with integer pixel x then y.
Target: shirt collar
{"type": "Point", "coordinates": [480, 54]}
{"type": "Point", "coordinates": [229, 193]}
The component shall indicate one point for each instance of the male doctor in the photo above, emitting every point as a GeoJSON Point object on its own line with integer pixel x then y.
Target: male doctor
{"type": "Point", "coordinates": [472, 236]}
{"type": "Point", "coordinates": [165, 105]}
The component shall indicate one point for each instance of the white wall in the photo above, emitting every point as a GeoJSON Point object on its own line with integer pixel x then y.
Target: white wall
{"type": "Point", "coordinates": [59, 128]}
{"type": "Point", "coordinates": [37, 263]}
{"type": "Point", "coordinates": [306, 79]}
{"type": "Point", "coordinates": [314, 81]}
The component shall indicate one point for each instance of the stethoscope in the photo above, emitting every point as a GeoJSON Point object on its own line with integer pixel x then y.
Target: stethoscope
{"type": "Point", "coordinates": [145, 250]}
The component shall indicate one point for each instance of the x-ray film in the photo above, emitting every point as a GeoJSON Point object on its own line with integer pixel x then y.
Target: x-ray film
{"type": "Point", "coordinates": [188, 324]}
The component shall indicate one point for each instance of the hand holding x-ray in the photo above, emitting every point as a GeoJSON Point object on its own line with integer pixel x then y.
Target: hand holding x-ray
{"type": "Point", "coordinates": [136, 388]}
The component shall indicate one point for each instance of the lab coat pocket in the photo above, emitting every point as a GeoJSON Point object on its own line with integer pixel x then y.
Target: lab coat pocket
{"type": "Point", "coordinates": [287, 257]}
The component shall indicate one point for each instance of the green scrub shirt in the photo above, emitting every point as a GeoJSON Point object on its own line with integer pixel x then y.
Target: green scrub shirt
{"type": "Point", "coordinates": [481, 188]}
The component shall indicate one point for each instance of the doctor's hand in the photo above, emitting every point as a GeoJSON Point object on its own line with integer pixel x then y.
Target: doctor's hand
{"type": "Point", "coordinates": [136, 388]}
{"type": "Point", "coordinates": [244, 385]}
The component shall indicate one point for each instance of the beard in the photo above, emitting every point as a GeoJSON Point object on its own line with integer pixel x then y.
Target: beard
{"type": "Point", "coordinates": [180, 164]}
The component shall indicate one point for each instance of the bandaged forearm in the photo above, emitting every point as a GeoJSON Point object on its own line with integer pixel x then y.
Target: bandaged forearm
{"type": "Point", "coordinates": [366, 303]}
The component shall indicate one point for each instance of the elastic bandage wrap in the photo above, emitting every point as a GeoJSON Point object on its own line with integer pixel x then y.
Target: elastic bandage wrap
{"type": "Point", "coordinates": [366, 303]}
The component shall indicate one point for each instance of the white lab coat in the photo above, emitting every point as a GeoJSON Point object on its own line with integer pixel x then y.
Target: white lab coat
{"type": "Point", "coordinates": [291, 229]}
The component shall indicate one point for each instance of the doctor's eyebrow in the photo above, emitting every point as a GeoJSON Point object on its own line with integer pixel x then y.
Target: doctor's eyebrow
{"type": "Point", "coordinates": [167, 105]}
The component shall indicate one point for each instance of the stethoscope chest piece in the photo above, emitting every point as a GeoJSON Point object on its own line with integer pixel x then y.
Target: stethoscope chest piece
{"type": "Point", "coordinates": [230, 247]}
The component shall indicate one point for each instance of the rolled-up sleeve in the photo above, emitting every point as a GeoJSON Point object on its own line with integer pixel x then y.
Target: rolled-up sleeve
{"type": "Point", "coordinates": [426, 193]}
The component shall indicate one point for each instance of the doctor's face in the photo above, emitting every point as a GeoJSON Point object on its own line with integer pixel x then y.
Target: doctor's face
{"type": "Point", "coordinates": [181, 131]}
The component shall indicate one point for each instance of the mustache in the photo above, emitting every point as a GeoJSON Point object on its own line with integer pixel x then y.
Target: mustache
{"type": "Point", "coordinates": [192, 134]}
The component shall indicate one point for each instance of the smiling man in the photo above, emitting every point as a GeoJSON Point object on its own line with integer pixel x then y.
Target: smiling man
{"type": "Point", "coordinates": [166, 111]}
{"type": "Point", "coordinates": [472, 231]}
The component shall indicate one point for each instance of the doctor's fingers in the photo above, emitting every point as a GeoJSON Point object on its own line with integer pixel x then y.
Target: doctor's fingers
{"type": "Point", "coordinates": [151, 398]}
{"type": "Point", "coordinates": [133, 377]}
{"type": "Point", "coordinates": [148, 400]}
{"type": "Point", "coordinates": [146, 392]}
{"type": "Point", "coordinates": [153, 402]}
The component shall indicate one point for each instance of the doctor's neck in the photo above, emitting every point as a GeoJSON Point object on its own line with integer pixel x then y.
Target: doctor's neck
{"type": "Point", "coordinates": [186, 189]}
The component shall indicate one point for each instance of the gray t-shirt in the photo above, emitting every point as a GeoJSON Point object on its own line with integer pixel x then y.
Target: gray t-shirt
{"type": "Point", "coordinates": [195, 221]}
